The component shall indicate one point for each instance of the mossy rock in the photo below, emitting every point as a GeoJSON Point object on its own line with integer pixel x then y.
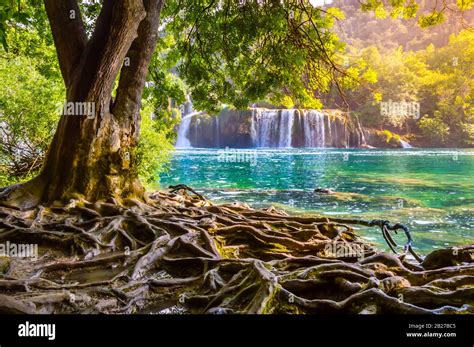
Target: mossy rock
{"type": "Point", "coordinates": [383, 139]}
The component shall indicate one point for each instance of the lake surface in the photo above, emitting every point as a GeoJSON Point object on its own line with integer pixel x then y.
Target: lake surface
{"type": "Point", "coordinates": [429, 190]}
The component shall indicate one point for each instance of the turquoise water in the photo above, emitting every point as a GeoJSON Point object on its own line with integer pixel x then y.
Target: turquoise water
{"type": "Point", "coordinates": [430, 191]}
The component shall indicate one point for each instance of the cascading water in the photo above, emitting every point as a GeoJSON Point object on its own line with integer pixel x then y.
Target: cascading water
{"type": "Point", "coordinates": [361, 136]}
{"type": "Point", "coordinates": [270, 128]}
{"type": "Point", "coordinates": [183, 131]}
{"type": "Point", "coordinates": [405, 144]}
{"type": "Point", "coordinates": [265, 128]}
{"type": "Point", "coordinates": [276, 128]}
{"type": "Point", "coordinates": [314, 129]}
{"type": "Point", "coordinates": [329, 126]}
{"type": "Point", "coordinates": [286, 128]}
{"type": "Point", "coordinates": [218, 131]}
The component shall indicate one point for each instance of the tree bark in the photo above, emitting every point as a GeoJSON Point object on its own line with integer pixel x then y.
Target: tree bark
{"type": "Point", "coordinates": [92, 157]}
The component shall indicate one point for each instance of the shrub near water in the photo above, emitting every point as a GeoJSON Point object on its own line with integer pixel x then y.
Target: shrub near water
{"type": "Point", "coordinates": [28, 117]}
{"type": "Point", "coordinates": [29, 114]}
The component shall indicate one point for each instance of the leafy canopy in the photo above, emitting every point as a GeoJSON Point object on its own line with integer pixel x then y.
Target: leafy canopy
{"type": "Point", "coordinates": [239, 51]}
{"type": "Point", "coordinates": [236, 52]}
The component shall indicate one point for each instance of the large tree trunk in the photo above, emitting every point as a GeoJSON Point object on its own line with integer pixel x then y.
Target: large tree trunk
{"type": "Point", "coordinates": [93, 156]}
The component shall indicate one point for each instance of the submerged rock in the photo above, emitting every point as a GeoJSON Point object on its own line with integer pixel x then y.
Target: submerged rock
{"type": "Point", "coordinates": [324, 191]}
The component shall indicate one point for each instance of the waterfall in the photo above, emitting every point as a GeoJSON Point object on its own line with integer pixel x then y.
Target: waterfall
{"type": "Point", "coordinates": [218, 131]}
{"type": "Point", "coordinates": [329, 125]}
{"type": "Point", "coordinates": [362, 141]}
{"type": "Point", "coordinates": [307, 129]}
{"type": "Point", "coordinates": [286, 128]}
{"type": "Point", "coordinates": [405, 144]}
{"type": "Point", "coordinates": [265, 128]}
{"type": "Point", "coordinates": [183, 131]}
{"type": "Point", "coordinates": [253, 129]}
{"type": "Point", "coordinates": [314, 129]}
{"type": "Point", "coordinates": [276, 128]}
{"type": "Point", "coordinates": [336, 134]}
{"type": "Point", "coordinates": [321, 130]}
{"type": "Point", "coordinates": [270, 128]}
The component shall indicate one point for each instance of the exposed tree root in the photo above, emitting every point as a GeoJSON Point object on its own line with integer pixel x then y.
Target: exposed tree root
{"type": "Point", "coordinates": [181, 254]}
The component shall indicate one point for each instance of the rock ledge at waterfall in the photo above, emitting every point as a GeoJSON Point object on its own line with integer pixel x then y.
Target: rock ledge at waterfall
{"type": "Point", "coordinates": [278, 128]}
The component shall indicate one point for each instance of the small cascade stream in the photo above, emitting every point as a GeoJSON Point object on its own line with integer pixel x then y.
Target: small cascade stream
{"type": "Point", "coordinates": [405, 144]}
{"type": "Point", "coordinates": [183, 131]}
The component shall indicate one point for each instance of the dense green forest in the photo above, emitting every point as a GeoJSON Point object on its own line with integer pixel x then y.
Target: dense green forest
{"type": "Point", "coordinates": [389, 31]}
{"type": "Point", "coordinates": [400, 60]}
{"type": "Point", "coordinates": [32, 98]}
{"type": "Point", "coordinates": [439, 79]}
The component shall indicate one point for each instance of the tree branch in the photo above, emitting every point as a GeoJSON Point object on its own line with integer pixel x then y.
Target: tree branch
{"type": "Point", "coordinates": [132, 78]}
{"type": "Point", "coordinates": [69, 34]}
{"type": "Point", "coordinates": [116, 28]}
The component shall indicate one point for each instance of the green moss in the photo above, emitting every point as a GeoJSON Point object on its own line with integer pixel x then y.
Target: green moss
{"type": "Point", "coordinates": [4, 264]}
{"type": "Point", "coordinates": [276, 247]}
{"type": "Point", "coordinates": [391, 137]}
{"type": "Point", "coordinates": [271, 301]}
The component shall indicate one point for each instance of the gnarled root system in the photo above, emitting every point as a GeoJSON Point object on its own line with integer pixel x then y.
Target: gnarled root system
{"type": "Point", "coordinates": [182, 254]}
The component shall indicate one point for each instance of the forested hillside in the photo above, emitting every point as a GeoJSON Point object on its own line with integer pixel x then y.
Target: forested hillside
{"type": "Point", "coordinates": [400, 61]}
{"type": "Point", "coordinates": [361, 29]}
